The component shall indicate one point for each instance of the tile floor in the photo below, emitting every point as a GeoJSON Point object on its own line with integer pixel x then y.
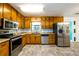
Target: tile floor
{"type": "Point", "coordinates": [49, 50]}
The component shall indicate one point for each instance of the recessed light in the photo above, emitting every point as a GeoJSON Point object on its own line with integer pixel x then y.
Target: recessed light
{"type": "Point", "coordinates": [32, 8]}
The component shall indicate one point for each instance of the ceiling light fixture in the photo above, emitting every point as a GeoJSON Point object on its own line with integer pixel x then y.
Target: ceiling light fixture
{"type": "Point", "coordinates": [32, 8]}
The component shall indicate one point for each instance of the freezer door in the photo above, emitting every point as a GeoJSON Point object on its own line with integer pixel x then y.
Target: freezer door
{"type": "Point", "coordinates": [66, 41]}
{"type": "Point", "coordinates": [60, 41]}
{"type": "Point", "coordinates": [66, 35]}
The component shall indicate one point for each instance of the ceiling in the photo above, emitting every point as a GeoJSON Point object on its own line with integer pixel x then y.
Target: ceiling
{"type": "Point", "coordinates": [52, 9]}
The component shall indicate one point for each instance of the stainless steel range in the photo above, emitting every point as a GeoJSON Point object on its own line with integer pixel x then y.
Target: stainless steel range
{"type": "Point", "coordinates": [15, 43]}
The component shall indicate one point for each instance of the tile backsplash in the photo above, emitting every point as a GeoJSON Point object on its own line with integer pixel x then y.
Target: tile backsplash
{"type": "Point", "coordinates": [47, 30]}
{"type": "Point", "coordinates": [29, 30]}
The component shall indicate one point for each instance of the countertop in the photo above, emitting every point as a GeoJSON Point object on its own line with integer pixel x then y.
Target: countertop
{"type": "Point", "coordinates": [23, 33]}
{"type": "Point", "coordinates": [4, 39]}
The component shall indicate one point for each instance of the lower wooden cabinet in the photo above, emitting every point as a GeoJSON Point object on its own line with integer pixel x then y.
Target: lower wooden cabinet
{"type": "Point", "coordinates": [35, 39]}
{"type": "Point", "coordinates": [4, 48]}
{"type": "Point", "coordinates": [38, 39]}
{"type": "Point", "coordinates": [24, 40]}
{"type": "Point", "coordinates": [28, 38]}
{"type": "Point", "coordinates": [51, 39]}
{"type": "Point", "coordinates": [32, 39]}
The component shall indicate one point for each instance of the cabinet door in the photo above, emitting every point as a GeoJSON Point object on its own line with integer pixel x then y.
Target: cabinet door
{"type": "Point", "coordinates": [27, 23]}
{"type": "Point", "coordinates": [51, 23]}
{"type": "Point", "coordinates": [33, 39]}
{"type": "Point", "coordinates": [28, 38]}
{"type": "Point", "coordinates": [7, 11]}
{"type": "Point", "coordinates": [38, 39]}
{"type": "Point", "coordinates": [47, 23]}
{"type": "Point", "coordinates": [43, 22]}
{"type": "Point", "coordinates": [61, 19]}
{"type": "Point", "coordinates": [14, 13]}
{"type": "Point", "coordinates": [1, 10]}
{"type": "Point", "coordinates": [22, 22]}
{"type": "Point", "coordinates": [24, 40]}
{"type": "Point", "coordinates": [19, 21]}
{"type": "Point", "coordinates": [4, 49]}
{"type": "Point", "coordinates": [51, 39]}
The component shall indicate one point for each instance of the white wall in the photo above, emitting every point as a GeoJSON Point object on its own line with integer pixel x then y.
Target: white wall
{"type": "Point", "coordinates": [72, 27]}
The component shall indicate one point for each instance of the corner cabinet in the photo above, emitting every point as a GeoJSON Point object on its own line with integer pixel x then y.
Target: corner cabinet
{"type": "Point", "coordinates": [20, 20]}
{"type": "Point", "coordinates": [4, 48]}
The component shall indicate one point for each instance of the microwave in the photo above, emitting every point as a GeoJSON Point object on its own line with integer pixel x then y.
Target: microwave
{"type": "Point", "coordinates": [7, 24]}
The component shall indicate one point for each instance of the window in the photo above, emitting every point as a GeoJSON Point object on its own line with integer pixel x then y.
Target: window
{"type": "Point", "coordinates": [36, 27]}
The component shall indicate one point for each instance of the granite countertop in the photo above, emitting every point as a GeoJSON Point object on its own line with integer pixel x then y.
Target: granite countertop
{"type": "Point", "coordinates": [37, 33]}
{"type": "Point", "coordinates": [4, 39]}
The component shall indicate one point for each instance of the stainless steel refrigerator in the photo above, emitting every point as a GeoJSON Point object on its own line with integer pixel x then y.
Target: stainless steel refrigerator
{"type": "Point", "coordinates": [62, 34]}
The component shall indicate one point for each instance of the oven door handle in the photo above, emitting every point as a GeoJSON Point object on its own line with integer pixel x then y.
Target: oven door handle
{"type": "Point", "coordinates": [15, 38]}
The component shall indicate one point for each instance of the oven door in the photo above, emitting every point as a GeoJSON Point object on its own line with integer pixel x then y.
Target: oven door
{"type": "Point", "coordinates": [16, 45]}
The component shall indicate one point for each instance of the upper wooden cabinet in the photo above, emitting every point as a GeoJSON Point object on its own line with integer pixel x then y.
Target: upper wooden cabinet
{"type": "Point", "coordinates": [14, 14]}
{"type": "Point", "coordinates": [51, 22]}
{"type": "Point", "coordinates": [43, 22]}
{"type": "Point", "coordinates": [47, 23]}
{"type": "Point", "coordinates": [19, 21]}
{"type": "Point", "coordinates": [58, 19]}
{"type": "Point", "coordinates": [27, 23]}
{"type": "Point", "coordinates": [1, 10]}
{"type": "Point", "coordinates": [7, 11]}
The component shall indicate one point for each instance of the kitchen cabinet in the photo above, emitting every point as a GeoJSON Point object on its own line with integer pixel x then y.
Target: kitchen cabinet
{"type": "Point", "coordinates": [61, 19]}
{"type": "Point", "coordinates": [4, 48]}
{"type": "Point", "coordinates": [7, 11]}
{"type": "Point", "coordinates": [35, 38]}
{"type": "Point", "coordinates": [28, 38]}
{"type": "Point", "coordinates": [51, 22]}
{"type": "Point", "coordinates": [32, 39]}
{"type": "Point", "coordinates": [51, 38]}
{"type": "Point", "coordinates": [43, 22]}
{"type": "Point", "coordinates": [58, 19]}
{"type": "Point", "coordinates": [28, 23]}
{"type": "Point", "coordinates": [38, 39]}
{"type": "Point", "coordinates": [20, 21]}
{"type": "Point", "coordinates": [14, 14]}
{"type": "Point", "coordinates": [47, 22]}
{"type": "Point", "coordinates": [24, 40]}
{"type": "Point", "coordinates": [1, 10]}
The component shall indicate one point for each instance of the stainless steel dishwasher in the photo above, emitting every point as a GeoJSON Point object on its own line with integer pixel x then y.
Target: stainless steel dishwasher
{"type": "Point", "coordinates": [44, 39]}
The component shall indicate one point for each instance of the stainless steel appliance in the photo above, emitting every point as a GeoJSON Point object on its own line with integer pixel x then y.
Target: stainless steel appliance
{"type": "Point", "coordinates": [15, 45]}
{"type": "Point", "coordinates": [7, 24]}
{"type": "Point", "coordinates": [44, 39]}
{"type": "Point", "coordinates": [62, 34]}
